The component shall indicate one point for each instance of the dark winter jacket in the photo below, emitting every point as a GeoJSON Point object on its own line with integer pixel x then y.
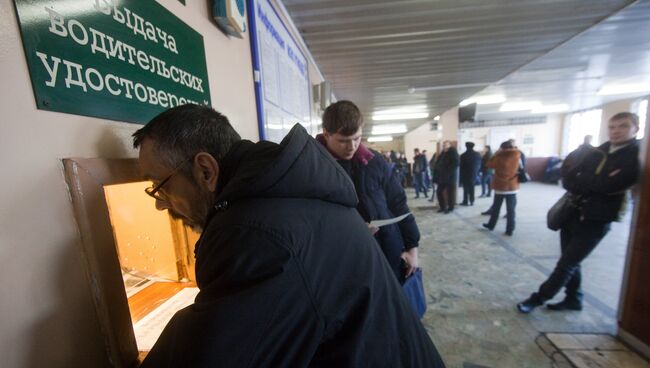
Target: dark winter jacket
{"type": "Point", "coordinates": [592, 175]}
{"type": "Point", "coordinates": [419, 163]}
{"type": "Point", "coordinates": [470, 164]}
{"type": "Point", "coordinates": [289, 274]}
{"type": "Point", "coordinates": [381, 196]}
{"type": "Point", "coordinates": [484, 169]}
{"type": "Point", "coordinates": [447, 167]}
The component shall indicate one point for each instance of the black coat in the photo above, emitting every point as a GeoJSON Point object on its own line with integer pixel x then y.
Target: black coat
{"type": "Point", "coordinates": [289, 274]}
{"type": "Point", "coordinates": [447, 167]}
{"type": "Point", "coordinates": [470, 164]}
{"type": "Point", "coordinates": [381, 196]}
{"type": "Point", "coordinates": [589, 173]}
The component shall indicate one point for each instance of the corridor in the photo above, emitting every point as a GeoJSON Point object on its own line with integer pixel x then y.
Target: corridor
{"type": "Point", "coordinates": [474, 278]}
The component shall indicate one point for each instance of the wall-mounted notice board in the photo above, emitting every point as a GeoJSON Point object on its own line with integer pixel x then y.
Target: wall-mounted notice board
{"type": "Point", "coordinates": [125, 60]}
{"type": "Point", "coordinates": [281, 78]}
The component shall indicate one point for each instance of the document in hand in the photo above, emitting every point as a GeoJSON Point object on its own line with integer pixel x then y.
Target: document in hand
{"type": "Point", "coordinates": [380, 223]}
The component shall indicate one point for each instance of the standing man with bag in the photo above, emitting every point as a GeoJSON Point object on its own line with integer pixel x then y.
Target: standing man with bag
{"type": "Point", "coordinates": [598, 179]}
{"type": "Point", "coordinates": [380, 194]}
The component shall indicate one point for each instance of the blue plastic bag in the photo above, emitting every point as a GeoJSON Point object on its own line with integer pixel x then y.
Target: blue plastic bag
{"type": "Point", "coordinates": [414, 291]}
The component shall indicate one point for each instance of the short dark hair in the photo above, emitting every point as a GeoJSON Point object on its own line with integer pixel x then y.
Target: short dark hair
{"type": "Point", "coordinates": [626, 115]}
{"type": "Point", "coordinates": [342, 117]}
{"type": "Point", "coordinates": [183, 131]}
{"type": "Point", "coordinates": [507, 144]}
{"type": "Point", "coordinates": [469, 144]}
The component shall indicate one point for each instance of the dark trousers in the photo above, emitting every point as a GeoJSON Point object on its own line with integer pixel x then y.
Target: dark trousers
{"type": "Point", "coordinates": [511, 203]}
{"type": "Point", "coordinates": [486, 183]}
{"type": "Point", "coordinates": [446, 196]}
{"type": "Point", "coordinates": [418, 184]}
{"type": "Point", "coordinates": [577, 240]}
{"type": "Point", "coordinates": [468, 192]}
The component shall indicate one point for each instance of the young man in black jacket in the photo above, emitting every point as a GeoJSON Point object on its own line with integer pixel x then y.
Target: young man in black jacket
{"type": "Point", "coordinates": [289, 275]}
{"type": "Point", "coordinates": [599, 179]}
{"type": "Point", "coordinates": [380, 194]}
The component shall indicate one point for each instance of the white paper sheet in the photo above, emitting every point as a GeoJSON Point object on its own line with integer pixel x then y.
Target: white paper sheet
{"type": "Point", "coordinates": [380, 223]}
{"type": "Point", "coordinates": [148, 329]}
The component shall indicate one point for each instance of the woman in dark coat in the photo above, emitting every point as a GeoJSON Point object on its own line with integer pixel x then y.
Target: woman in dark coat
{"type": "Point", "coordinates": [486, 173]}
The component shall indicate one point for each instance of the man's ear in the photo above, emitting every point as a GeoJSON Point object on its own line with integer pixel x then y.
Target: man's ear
{"type": "Point", "coordinates": [206, 170]}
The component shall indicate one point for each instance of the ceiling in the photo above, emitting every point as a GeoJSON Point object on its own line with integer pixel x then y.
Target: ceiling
{"type": "Point", "coordinates": [436, 53]}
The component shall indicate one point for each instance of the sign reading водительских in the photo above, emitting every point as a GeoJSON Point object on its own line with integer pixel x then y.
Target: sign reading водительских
{"type": "Point", "coordinates": [124, 60]}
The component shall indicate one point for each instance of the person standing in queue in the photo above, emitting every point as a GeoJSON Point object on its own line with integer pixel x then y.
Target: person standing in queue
{"type": "Point", "coordinates": [380, 194]}
{"type": "Point", "coordinates": [598, 179]}
{"type": "Point", "coordinates": [289, 275]}
{"type": "Point", "coordinates": [470, 164]}
{"type": "Point", "coordinates": [447, 177]}
{"type": "Point", "coordinates": [505, 162]}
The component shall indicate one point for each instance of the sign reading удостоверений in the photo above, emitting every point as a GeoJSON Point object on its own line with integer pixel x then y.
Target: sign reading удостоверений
{"type": "Point", "coordinates": [124, 60]}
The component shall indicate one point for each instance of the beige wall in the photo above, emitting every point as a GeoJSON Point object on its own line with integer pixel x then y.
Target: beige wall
{"type": "Point", "coordinates": [48, 319]}
{"type": "Point", "coordinates": [422, 138]}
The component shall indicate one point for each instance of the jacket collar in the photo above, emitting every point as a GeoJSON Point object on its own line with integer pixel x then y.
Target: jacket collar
{"type": "Point", "coordinates": [362, 156]}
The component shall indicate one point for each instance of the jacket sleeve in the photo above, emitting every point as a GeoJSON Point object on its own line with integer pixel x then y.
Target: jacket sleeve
{"type": "Point", "coordinates": [396, 200]}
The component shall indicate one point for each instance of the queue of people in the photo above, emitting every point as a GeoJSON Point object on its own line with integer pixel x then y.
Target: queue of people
{"type": "Point", "coordinates": [292, 272]}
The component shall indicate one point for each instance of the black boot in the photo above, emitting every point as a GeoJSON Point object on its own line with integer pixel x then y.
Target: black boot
{"type": "Point", "coordinates": [529, 304]}
{"type": "Point", "coordinates": [566, 304]}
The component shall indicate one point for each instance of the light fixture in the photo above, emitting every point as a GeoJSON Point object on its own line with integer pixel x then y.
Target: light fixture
{"type": "Point", "coordinates": [380, 138]}
{"type": "Point", "coordinates": [622, 89]}
{"type": "Point", "coordinates": [447, 86]}
{"type": "Point", "coordinates": [546, 109]}
{"type": "Point", "coordinates": [519, 106]}
{"type": "Point", "coordinates": [388, 129]}
{"type": "Point", "coordinates": [483, 100]}
{"type": "Point", "coordinates": [437, 118]}
{"type": "Point", "coordinates": [402, 116]}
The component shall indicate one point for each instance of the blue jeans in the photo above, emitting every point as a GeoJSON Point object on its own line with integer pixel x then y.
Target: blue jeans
{"type": "Point", "coordinates": [418, 184]}
{"type": "Point", "coordinates": [486, 181]}
{"type": "Point", "coordinates": [511, 203]}
{"type": "Point", "coordinates": [577, 240]}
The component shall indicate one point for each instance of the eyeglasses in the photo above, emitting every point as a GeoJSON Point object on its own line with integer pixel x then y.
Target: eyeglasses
{"type": "Point", "coordinates": [154, 190]}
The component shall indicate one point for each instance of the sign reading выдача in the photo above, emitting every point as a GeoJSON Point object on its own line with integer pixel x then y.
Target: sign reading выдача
{"type": "Point", "coordinates": [124, 60]}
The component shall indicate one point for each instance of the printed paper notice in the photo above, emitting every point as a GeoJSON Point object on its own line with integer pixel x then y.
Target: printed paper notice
{"type": "Point", "coordinates": [148, 329]}
{"type": "Point", "coordinates": [380, 223]}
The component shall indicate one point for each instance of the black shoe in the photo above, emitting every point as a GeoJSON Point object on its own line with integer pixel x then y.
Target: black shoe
{"type": "Point", "coordinates": [464, 204]}
{"type": "Point", "coordinates": [471, 204]}
{"type": "Point", "coordinates": [430, 199]}
{"type": "Point", "coordinates": [416, 197]}
{"type": "Point", "coordinates": [488, 227]}
{"type": "Point", "coordinates": [486, 213]}
{"type": "Point", "coordinates": [508, 233]}
{"type": "Point", "coordinates": [528, 305]}
{"type": "Point", "coordinates": [489, 195]}
{"type": "Point", "coordinates": [565, 305]}
{"type": "Point", "coordinates": [481, 196]}
{"type": "Point", "coordinates": [441, 210]}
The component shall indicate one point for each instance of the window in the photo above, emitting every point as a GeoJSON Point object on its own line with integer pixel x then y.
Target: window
{"type": "Point", "coordinates": [582, 124]}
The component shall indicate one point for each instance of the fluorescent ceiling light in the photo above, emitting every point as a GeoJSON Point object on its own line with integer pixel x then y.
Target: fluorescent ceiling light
{"type": "Point", "coordinates": [483, 100]}
{"type": "Point", "coordinates": [380, 138]}
{"type": "Point", "coordinates": [437, 118]}
{"type": "Point", "coordinates": [402, 116]}
{"type": "Point", "coordinates": [388, 129]}
{"type": "Point", "coordinates": [622, 89]}
{"type": "Point", "coordinates": [402, 110]}
{"type": "Point", "coordinates": [545, 109]}
{"type": "Point", "coordinates": [519, 106]}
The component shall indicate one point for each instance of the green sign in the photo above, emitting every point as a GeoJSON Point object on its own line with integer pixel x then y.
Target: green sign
{"type": "Point", "coordinates": [125, 60]}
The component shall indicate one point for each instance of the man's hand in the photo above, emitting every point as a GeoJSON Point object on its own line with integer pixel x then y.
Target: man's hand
{"type": "Point", "coordinates": [373, 230]}
{"type": "Point", "coordinates": [410, 258]}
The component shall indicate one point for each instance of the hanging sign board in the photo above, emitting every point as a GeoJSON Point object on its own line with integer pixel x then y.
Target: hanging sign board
{"type": "Point", "coordinates": [281, 77]}
{"type": "Point", "coordinates": [125, 60]}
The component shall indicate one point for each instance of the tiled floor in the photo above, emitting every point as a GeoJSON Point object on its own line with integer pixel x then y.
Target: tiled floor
{"type": "Point", "coordinates": [473, 279]}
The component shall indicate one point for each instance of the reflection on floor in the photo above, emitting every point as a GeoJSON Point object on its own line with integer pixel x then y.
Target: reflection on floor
{"type": "Point", "coordinates": [474, 278]}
